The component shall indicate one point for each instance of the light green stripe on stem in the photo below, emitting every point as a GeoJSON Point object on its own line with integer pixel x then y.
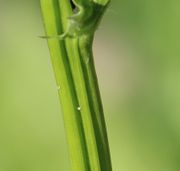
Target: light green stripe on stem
{"type": "Point", "coordinates": [73, 65]}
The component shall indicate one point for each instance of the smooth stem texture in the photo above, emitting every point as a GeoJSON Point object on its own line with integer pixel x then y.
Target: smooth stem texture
{"type": "Point", "coordinates": [76, 79]}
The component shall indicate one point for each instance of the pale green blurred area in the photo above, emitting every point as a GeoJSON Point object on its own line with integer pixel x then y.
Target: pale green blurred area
{"type": "Point", "coordinates": [137, 54]}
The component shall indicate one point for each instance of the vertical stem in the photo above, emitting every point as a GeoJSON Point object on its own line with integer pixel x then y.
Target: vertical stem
{"type": "Point", "coordinates": [76, 79]}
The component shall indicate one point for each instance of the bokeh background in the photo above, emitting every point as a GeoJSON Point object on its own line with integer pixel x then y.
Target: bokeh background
{"type": "Point", "coordinates": [137, 55]}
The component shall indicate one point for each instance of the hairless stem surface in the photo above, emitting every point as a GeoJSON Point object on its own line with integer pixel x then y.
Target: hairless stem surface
{"type": "Point", "coordinates": [70, 27]}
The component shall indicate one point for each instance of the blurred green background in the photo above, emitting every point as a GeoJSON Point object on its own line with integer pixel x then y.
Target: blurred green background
{"type": "Point", "coordinates": [137, 55]}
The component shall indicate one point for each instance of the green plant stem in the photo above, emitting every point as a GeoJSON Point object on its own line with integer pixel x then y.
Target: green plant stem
{"type": "Point", "coordinates": [76, 79]}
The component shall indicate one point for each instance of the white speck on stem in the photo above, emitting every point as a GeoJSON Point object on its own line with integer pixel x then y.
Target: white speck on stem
{"type": "Point", "coordinates": [78, 108]}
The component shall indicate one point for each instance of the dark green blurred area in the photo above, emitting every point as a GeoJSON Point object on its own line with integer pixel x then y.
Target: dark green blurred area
{"type": "Point", "coordinates": [137, 54]}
